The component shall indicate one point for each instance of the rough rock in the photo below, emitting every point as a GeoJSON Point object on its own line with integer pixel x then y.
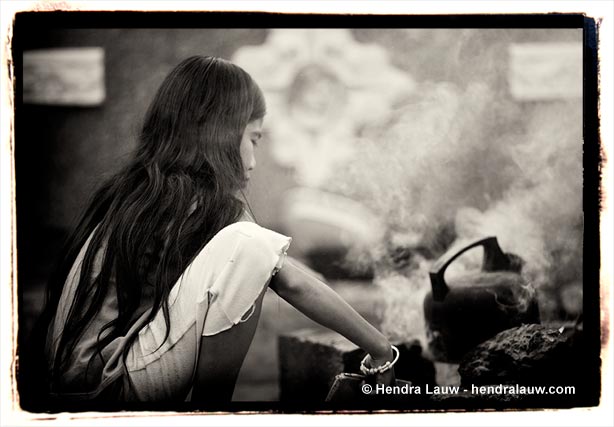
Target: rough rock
{"type": "Point", "coordinates": [528, 354]}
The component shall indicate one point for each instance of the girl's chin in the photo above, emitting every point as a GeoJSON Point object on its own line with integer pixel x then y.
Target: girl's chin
{"type": "Point", "coordinates": [245, 183]}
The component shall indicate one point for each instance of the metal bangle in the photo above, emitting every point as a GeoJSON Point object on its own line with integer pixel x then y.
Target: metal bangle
{"type": "Point", "coordinates": [379, 369]}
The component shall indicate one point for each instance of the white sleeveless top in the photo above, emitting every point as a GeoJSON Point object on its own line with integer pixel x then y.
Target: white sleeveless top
{"type": "Point", "coordinates": [231, 270]}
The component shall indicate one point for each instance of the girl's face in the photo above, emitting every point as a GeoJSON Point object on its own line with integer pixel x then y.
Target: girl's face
{"type": "Point", "coordinates": [251, 136]}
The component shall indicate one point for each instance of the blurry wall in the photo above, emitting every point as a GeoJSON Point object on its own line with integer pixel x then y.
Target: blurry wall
{"type": "Point", "coordinates": [64, 152]}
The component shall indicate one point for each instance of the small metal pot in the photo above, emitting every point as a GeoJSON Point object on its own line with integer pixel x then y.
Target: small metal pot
{"type": "Point", "coordinates": [473, 308]}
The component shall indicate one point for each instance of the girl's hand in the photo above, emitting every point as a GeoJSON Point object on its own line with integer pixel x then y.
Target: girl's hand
{"type": "Point", "coordinates": [387, 377]}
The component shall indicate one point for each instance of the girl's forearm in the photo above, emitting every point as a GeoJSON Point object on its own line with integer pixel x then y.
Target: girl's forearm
{"type": "Point", "coordinates": [306, 292]}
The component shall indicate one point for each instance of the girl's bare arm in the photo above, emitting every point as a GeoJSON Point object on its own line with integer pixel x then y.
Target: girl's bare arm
{"type": "Point", "coordinates": [304, 289]}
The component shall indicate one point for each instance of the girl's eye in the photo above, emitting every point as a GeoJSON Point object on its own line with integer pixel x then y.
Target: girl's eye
{"type": "Point", "coordinates": [255, 142]}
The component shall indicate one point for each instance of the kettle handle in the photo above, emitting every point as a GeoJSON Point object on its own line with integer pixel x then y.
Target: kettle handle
{"type": "Point", "coordinates": [494, 260]}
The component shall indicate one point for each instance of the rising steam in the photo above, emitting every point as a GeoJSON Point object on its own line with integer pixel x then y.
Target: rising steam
{"type": "Point", "coordinates": [459, 163]}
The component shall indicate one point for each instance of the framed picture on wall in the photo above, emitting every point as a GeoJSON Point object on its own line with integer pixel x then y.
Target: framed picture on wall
{"type": "Point", "coordinates": [67, 76]}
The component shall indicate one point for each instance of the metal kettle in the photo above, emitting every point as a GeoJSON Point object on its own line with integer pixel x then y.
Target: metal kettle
{"type": "Point", "coordinates": [473, 308]}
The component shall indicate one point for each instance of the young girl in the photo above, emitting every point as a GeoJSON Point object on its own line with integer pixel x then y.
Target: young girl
{"type": "Point", "coordinates": [162, 283]}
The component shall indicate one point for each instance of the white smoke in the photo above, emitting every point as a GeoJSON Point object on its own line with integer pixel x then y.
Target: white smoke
{"type": "Point", "coordinates": [474, 162]}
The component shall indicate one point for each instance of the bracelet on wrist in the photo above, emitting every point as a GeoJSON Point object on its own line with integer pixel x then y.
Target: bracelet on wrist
{"type": "Point", "coordinates": [379, 369]}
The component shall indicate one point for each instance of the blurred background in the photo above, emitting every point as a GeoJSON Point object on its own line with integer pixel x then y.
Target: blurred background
{"type": "Point", "coordinates": [382, 149]}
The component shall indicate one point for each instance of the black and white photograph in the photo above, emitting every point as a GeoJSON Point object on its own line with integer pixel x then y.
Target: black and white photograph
{"type": "Point", "coordinates": [231, 212]}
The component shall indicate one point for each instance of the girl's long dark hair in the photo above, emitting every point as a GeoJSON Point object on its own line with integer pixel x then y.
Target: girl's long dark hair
{"type": "Point", "coordinates": [149, 220]}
